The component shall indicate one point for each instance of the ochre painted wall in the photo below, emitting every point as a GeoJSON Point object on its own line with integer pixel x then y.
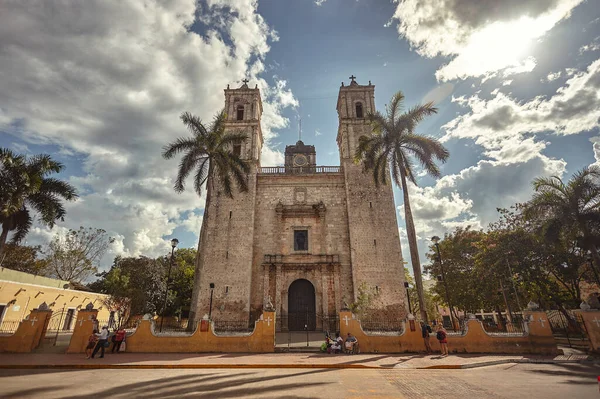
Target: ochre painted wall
{"type": "Point", "coordinates": [27, 297]}
{"type": "Point", "coordinates": [538, 340]}
{"type": "Point", "coordinates": [28, 334]}
{"type": "Point", "coordinates": [262, 340]}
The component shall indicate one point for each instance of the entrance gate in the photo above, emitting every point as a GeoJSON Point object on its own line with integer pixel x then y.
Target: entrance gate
{"type": "Point", "coordinates": [569, 331]}
{"type": "Point", "coordinates": [301, 306]}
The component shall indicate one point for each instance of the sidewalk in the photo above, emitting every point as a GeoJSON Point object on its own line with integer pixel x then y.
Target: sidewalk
{"type": "Point", "coordinates": [269, 360]}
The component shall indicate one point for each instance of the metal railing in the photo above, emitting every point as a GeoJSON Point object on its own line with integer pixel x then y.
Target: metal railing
{"type": "Point", "coordinates": [374, 326]}
{"type": "Point", "coordinates": [225, 327]}
{"type": "Point", "coordinates": [300, 170]}
{"type": "Point", "coordinates": [9, 326]}
{"type": "Point", "coordinates": [515, 327]}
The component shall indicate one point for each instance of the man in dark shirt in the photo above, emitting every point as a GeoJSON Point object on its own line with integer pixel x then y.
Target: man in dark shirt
{"type": "Point", "coordinates": [425, 331]}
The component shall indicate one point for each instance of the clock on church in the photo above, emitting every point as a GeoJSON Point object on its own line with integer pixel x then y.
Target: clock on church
{"type": "Point", "coordinates": [300, 160]}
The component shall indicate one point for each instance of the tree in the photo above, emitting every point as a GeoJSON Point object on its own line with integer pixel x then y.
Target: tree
{"type": "Point", "coordinates": [24, 258]}
{"type": "Point", "coordinates": [572, 209]}
{"type": "Point", "coordinates": [209, 153]}
{"type": "Point", "coordinates": [25, 186]}
{"type": "Point", "coordinates": [393, 147]}
{"type": "Point", "coordinates": [74, 257]}
{"type": "Point", "coordinates": [181, 283]}
{"type": "Point", "coordinates": [430, 298]}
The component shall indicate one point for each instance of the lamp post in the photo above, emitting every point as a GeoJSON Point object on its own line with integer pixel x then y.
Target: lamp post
{"type": "Point", "coordinates": [212, 288]}
{"type": "Point", "coordinates": [408, 297]}
{"type": "Point", "coordinates": [436, 241]}
{"type": "Point", "coordinates": [174, 243]}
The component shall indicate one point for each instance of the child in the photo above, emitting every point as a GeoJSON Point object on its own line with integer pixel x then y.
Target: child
{"type": "Point", "coordinates": [442, 336]}
{"type": "Point", "coordinates": [91, 344]}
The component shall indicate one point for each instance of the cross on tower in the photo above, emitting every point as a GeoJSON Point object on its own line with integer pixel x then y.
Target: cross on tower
{"type": "Point", "coordinates": [596, 321]}
{"type": "Point", "coordinates": [269, 320]}
{"type": "Point", "coordinates": [245, 81]}
{"type": "Point", "coordinates": [33, 320]}
{"type": "Point", "coordinates": [542, 321]}
{"type": "Point", "coordinates": [346, 319]}
{"type": "Point", "coordinates": [352, 78]}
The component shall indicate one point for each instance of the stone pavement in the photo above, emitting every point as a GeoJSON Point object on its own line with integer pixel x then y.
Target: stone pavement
{"type": "Point", "coordinates": [269, 360]}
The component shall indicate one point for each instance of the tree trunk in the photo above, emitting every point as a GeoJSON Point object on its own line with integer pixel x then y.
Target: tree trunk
{"type": "Point", "coordinates": [596, 262]}
{"type": "Point", "coordinates": [414, 251]}
{"type": "Point", "coordinates": [3, 238]}
{"type": "Point", "coordinates": [193, 318]}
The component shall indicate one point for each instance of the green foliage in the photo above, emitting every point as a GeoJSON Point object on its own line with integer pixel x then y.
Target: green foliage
{"type": "Point", "coordinates": [24, 258]}
{"type": "Point", "coordinates": [25, 186]}
{"type": "Point", "coordinates": [431, 299]}
{"type": "Point", "coordinates": [364, 299]}
{"type": "Point", "coordinates": [143, 280]}
{"type": "Point", "coordinates": [74, 257]}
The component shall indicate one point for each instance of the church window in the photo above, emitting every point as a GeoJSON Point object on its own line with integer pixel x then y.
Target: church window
{"type": "Point", "coordinates": [230, 213]}
{"type": "Point", "coordinates": [375, 242]}
{"type": "Point", "coordinates": [237, 149]}
{"type": "Point", "coordinates": [370, 204]}
{"type": "Point", "coordinates": [359, 110]}
{"type": "Point", "coordinates": [227, 255]}
{"type": "Point", "coordinates": [226, 289]}
{"type": "Point", "coordinates": [301, 240]}
{"type": "Point", "coordinates": [240, 112]}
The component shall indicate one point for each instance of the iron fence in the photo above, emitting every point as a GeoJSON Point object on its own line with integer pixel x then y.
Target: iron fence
{"type": "Point", "coordinates": [568, 326]}
{"type": "Point", "coordinates": [382, 325]}
{"type": "Point", "coordinates": [173, 327]}
{"type": "Point", "coordinates": [233, 326]}
{"type": "Point", "coordinates": [9, 326]}
{"type": "Point", "coordinates": [505, 327]}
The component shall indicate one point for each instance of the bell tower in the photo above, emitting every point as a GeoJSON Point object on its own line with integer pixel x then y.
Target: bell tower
{"type": "Point", "coordinates": [244, 110]}
{"type": "Point", "coordinates": [375, 251]}
{"type": "Point", "coordinates": [354, 104]}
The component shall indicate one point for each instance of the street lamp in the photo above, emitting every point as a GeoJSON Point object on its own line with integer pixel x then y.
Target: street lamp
{"type": "Point", "coordinates": [436, 241]}
{"type": "Point", "coordinates": [212, 288]}
{"type": "Point", "coordinates": [174, 243]}
{"type": "Point", "coordinates": [408, 297]}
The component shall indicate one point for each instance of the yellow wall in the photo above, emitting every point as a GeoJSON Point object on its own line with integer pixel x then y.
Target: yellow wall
{"type": "Point", "coordinates": [538, 340]}
{"type": "Point", "coordinates": [31, 296]}
{"type": "Point", "coordinates": [28, 335]}
{"type": "Point", "coordinates": [262, 340]}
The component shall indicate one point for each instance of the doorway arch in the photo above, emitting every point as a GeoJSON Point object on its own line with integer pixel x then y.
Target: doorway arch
{"type": "Point", "coordinates": [301, 306]}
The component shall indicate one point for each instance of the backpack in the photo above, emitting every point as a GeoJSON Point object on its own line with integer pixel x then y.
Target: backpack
{"type": "Point", "coordinates": [440, 335]}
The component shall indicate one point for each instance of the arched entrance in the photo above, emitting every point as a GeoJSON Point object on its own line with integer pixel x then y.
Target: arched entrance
{"type": "Point", "coordinates": [301, 306]}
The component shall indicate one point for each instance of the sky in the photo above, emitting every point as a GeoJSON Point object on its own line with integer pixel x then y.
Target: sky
{"type": "Point", "coordinates": [100, 86]}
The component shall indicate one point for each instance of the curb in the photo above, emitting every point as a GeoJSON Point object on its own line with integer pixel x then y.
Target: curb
{"type": "Point", "coordinates": [185, 366]}
{"type": "Point", "coordinates": [507, 361]}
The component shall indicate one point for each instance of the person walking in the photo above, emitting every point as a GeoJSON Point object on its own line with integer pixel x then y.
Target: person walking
{"type": "Point", "coordinates": [442, 336]}
{"type": "Point", "coordinates": [102, 341]}
{"type": "Point", "coordinates": [119, 338]}
{"type": "Point", "coordinates": [425, 332]}
{"type": "Point", "coordinates": [91, 344]}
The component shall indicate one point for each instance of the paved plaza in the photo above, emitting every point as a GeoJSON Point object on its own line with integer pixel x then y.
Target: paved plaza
{"type": "Point", "coordinates": [501, 381]}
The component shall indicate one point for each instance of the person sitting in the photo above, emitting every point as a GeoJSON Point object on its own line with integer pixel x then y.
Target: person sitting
{"type": "Point", "coordinates": [336, 346]}
{"type": "Point", "coordinates": [351, 344]}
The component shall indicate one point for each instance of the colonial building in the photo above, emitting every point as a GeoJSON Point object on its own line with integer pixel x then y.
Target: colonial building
{"type": "Point", "coordinates": [304, 238]}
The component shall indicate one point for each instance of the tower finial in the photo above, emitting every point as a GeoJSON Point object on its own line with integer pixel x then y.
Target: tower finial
{"type": "Point", "coordinates": [352, 78]}
{"type": "Point", "coordinates": [300, 130]}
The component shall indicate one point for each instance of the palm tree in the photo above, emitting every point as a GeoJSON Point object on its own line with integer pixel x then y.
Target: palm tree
{"type": "Point", "coordinates": [208, 152]}
{"type": "Point", "coordinates": [24, 186]}
{"type": "Point", "coordinates": [571, 208]}
{"type": "Point", "coordinates": [393, 146]}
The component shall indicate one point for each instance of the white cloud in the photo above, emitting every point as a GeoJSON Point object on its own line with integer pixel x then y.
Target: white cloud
{"type": "Point", "coordinates": [320, 2]}
{"type": "Point", "coordinates": [593, 46]}
{"type": "Point", "coordinates": [553, 76]}
{"type": "Point", "coordinates": [108, 80]}
{"type": "Point", "coordinates": [317, 132]}
{"type": "Point", "coordinates": [481, 36]}
{"type": "Point", "coordinates": [498, 122]}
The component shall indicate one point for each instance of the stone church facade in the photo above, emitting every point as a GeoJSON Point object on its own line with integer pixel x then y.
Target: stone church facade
{"type": "Point", "coordinates": [304, 238]}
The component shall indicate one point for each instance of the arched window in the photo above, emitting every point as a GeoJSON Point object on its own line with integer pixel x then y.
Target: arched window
{"type": "Point", "coordinates": [240, 112]}
{"type": "Point", "coordinates": [237, 149]}
{"type": "Point", "coordinates": [359, 110]}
